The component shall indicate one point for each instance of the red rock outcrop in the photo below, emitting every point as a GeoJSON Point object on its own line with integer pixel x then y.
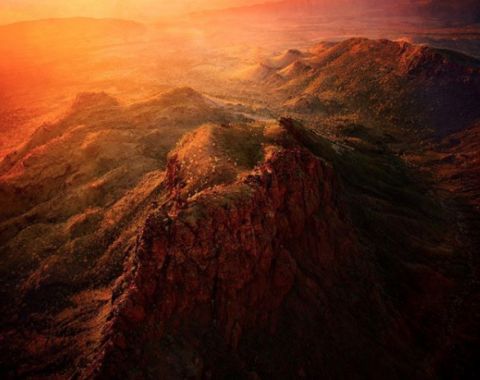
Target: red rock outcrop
{"type": "Point", "coordinates": [268, 258]}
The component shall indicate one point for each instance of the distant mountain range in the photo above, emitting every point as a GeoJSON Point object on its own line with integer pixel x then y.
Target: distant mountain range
{"type": "Point", "coordinates": [465, 11]}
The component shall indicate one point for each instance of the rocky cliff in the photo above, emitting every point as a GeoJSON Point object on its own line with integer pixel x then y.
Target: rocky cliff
{"type": "Point", "coordinates": [222, 282]}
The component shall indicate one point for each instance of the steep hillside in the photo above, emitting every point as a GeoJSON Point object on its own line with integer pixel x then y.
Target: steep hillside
{"type": "Point", "coordinates": [257, 234]}
{"type": "Point", "coordinates": [382, 82]}
{"type": "Point", "coordinates": [227, 274]}
{"type": "Point", "coordinates": [71, 198]}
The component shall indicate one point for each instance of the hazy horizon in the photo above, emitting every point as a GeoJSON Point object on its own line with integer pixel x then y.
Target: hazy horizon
{"type": "Point", "coordinates": [141, 10]}
{"type": "Point", "coordinates": [146, 11]}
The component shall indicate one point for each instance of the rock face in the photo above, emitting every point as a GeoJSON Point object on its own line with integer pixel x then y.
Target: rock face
{"type": "Point", "coordinates": [248, 262]}
{"type": "Point", "coordinates": [72, 198]}
{"type": "Point", "coordinates": [222, 281]}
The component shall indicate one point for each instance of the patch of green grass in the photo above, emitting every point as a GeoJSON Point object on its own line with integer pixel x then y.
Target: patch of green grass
{"type": "Point", "coordinates": [242, 144]}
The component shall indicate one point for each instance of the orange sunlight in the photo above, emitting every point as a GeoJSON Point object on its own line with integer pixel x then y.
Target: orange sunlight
{"type": "Point", "coordinates": [21, 10]}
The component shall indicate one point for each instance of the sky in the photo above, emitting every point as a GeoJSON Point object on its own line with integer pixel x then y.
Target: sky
{"type": "Point", "coordinates": [19, 10]}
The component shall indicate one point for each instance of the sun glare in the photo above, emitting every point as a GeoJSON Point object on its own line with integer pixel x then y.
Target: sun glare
{"type": "Point", "coordinates": [21, 10]}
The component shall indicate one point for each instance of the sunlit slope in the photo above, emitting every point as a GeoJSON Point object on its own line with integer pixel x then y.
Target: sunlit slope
{"type": "Point", "coordinates": [376, 81]}
{"type": "Point", "coordinates": [72, 172]}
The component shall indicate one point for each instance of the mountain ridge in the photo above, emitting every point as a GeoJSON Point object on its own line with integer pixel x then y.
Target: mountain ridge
{"type": "Point", "coordinates": [408, 85]}
{"type": "Point", "coordinates": [465, 11]}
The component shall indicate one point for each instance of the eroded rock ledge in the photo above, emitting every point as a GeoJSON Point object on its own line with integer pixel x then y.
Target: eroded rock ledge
{"type": "Point", "coordinates": [221, 280]}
